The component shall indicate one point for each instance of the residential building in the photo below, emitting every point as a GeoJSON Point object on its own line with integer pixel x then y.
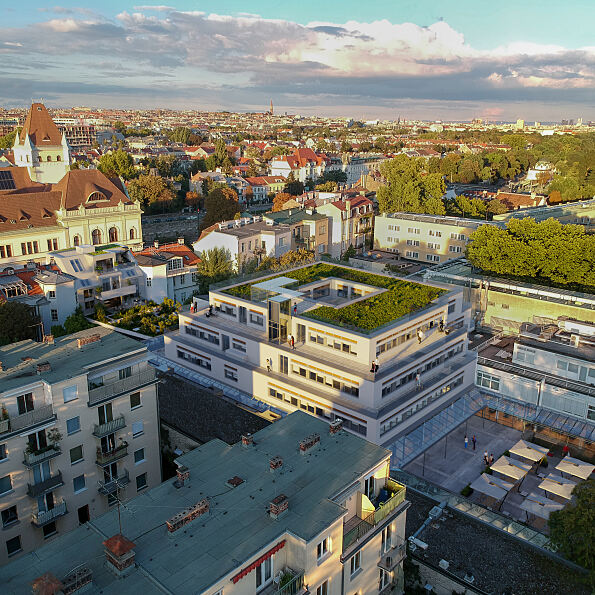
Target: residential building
{"type": "Point", "coordinates": [309, 230]}
{"type": "Point", "coordinates": [170, 271]}
{"type": "Point", "coordinates": [246, 238]}
{"type": "Point", "coordinates": [276, 184]}
{"type": "Point", "coordinates": [341, 324]}
{"type": "Point", "coordinates": [78, 134]}
{"type": "Point", "coordinates": [354, 166]}
{"type": "Point", "coordinates": [427, 238]}
{"type": "Point", "coordinates": [504, 304]}
{"type": "Point", "coordinates": [302, 163]}
{"type": "Point", "coordinates": [106, 274]}
{"type": "Point", "coordinates": [79, 428]}
{"type": "Point", "coordinates": [352, 221]}
{"type": "Point", "coordinates": [298, 507]}
{"type": "Point", "coordinates": [46, 289]}
{"type": "Point", "coordinates": [263, 186]}
{"type": "Point", "coordinates": [236, 183]}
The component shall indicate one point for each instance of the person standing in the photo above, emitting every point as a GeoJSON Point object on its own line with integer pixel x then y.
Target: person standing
{"type": "Point", "coordinates": [474, 441]}
{"type": "Point", "coordinates": [376, 365]}
{"type": "Point", "coordinates": [269, 364]}
{"type": "Point", "coordinates": [565, 451]}
{"type": "Point", "coordinates": [466, 441]}
{"type": "Point", "coordinates": [486, 459]}
{"type": "Point", "coordinates": [292, 342]}
{"type": "Point", "coordinates": [418, 380]}
{"type": "Point", "coordinates": [491, 459]}
{"type": "Point", "coordinates": [295, 309]}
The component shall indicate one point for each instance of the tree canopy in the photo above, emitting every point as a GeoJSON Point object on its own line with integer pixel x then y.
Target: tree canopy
{"type": "Point", "coordinates": [215, 265]}
{"type": "Point", "coordinates": [117, 163]}
{"type": "Point", "coordinates": [7, 141]}
{"type": "Point", "coordinates": [280, 199]}
{"type": "Point", "coordinates": [149, 190]}
{"type": "Point", "coordinates": [17, 322]}
{"type": "Point", "coordinates": [221, 204]}
{"type": "Point", "coordinates": [546, 252]}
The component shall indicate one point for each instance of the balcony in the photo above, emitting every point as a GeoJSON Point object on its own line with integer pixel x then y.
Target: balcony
{"type": "Point", "coordinates": [110, 487]}
{"type": "Point", "coordinates": [39, 519]}
{"type": "Point", "coordinates": [117, 387]}
{"type": "Point", "coordinates": [355, 528]}
{"type": "Point", "coordinates": [48, 485]}
{"type": "Point", "coordinates": [101, 430]}
{"type": "Point", "coordinates": [17, 423]}
{"type": "Point", "coordinates": [38, 457]}
{"type": "Point", "coordinates": [122, 291]}
{"type": "Point", "coordinates": [111, 456]}
{"type": "Point", "coordinates": [394, 556]}
{"type": "Point", "coordinates": [291, 582]}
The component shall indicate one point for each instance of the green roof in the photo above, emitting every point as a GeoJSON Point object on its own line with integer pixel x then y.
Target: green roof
{"type": "Point", "coordinates": [290, 216]}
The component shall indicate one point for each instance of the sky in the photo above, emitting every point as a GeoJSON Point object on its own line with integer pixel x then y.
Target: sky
{"type": "Point", "coordinates": [424, 59]}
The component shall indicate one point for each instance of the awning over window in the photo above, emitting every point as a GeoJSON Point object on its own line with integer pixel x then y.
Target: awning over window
{"type": "Point", "coordinates": [240, 575]}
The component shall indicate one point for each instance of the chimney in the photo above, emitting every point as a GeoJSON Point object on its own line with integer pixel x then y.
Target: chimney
{"type": "Point", "coordinates": [1, 367]}
{"type": "Point", "coordinates": [182, 475]}
{"type": "Point", "coordinates": [189, 514]}
{"type": "Point", "coordinates": [46, 584]}
{"type": "Point", "coordinates": [335, 426]}
{"type": "Point", "coordinates": [234, 482]}
{"type": "Point", "coordinates": [575, 340]}
{"type": "Point", "coordinates": [278, 506]}
{"type": "Point", "coordinates": [44, 367]}
{"type": "Point", "coordinates": [275, 463]}
{"type": "Point", "coordinates": [89, 339]}
{"type": "Point", "coordinates": [181, 241]}
{"type": "Point", "coordinates": [156, 244]}
{"type": "Point", "coordinates": [247, 440]}
{"type": "Point", "coordinates": [309, 442]}
{"type": "Point", "coordinates": [49, 339]}
{"type": "Point", "coordinates": [119, 554]}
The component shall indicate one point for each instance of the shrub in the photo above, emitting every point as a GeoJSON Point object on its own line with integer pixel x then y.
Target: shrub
{"type": "Point", "coordinates": [467, 490]}
{"type": "Point", "coordinates": [488, 470]}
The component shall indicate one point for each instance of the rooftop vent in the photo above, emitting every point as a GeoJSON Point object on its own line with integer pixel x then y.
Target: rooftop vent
{"type": "Point", "coordinates": [44, 367]}
{"type": "Point", "coordinates": [309, 442]}
{"type": "Point", "coordinates": [49, 339]}
{"type": "Point", "coordinates": [247, 440]}
{"type": "Point", "coordinates": [436, 512]}
{"type": "Point", "coordinates": [278, 506]}
{"type": "Point", "coordinates": [469, 578]}
{"type": "Point", "coordinates": [181, 241]}
{"type": "Point", "coordinates": [335, 426]}
{"type": "Point", "coordinates": [234, 482]}
{"type": "Point", "coordinates": [119, 553]}
{"type": "Point", "coordinates": [182, 476]}
{"type": "Point", "coordinates": [443, 564]}
{"type": "Point", "coordinates": [156, 244]}
{"type": "Point", "coordinates": [275, 463]}
{"type": "Point", "coordinates": [189, 514]}
{"type": "Point", "coordinates": [86, 340]}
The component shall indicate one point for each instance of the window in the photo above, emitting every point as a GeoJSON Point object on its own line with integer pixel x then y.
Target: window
{"type": "Point", "coordinates": [76, 454]}
{"type": "Point", "coordinates": [413, 242]}
{"type": "Point", "coordinates": [5, 484]}
{"type": "Point", "coordinates": [369, 487]}
{"type": "Point", "coordinates": [3, 452]}
{"type": "Point", "coordinates": [488, 381]}
{"type": "Point", "coordinates": [231, 374]}
{"type": "Point", "coordinates": [387, 534]}
{"type": "Point", "coordinates": [409, 254]}
{"type": "Point", "coordinates": [49, 529]}
{"type": "Point", "coordinates": [322, 589]}
{"type": "Point", "coordinates": [524, 354]}
{"type": "Point", "coordinates": [13, 546]}
{"type": "Point", "coordinates": [264, 574]}
{"type": "Point", "coordinates": [76, 240]}
{"type": "Point", "coordinates": [174, 264]}
{"type": "Point", "coordinates": [25, 403]}
{"type": "Point", "coordinates": [322, 549]}
{"type": "Point", "coordinates": [137, 428]}
{"type": "Point", "coordinates": [6, 251]}
{"type": "Point", "coordinates": [355, 563]}
{"type": "Point", "coordinates": [76, 265]}
{"type": "Point", "coordinates": [436, 234]}
{"type": "Point", "coordinates": [78, 483]}
{"type": "Point", "coordinates": [125, 373]}
{"type": "Point", "coordinates": [54, 315]}
{"type": "Point", "coordinates": [141, 482]}
{"type": "Point", "coordinates": [52, 295]}
{"type": "Point", "coordinates": [52, 244]}
{"type": "Point", "coordinates": [573, 368]}
{"type": "Point", "coordinates": [432, 258]}
{"type": "Point", "coordinates": [562, 365]}
{"type": "Point", "coordinates": [29, 247]}
{"type": "Point", "coordinates": [73, 425]}
{"type": "Point", "coordinates": [9, 516]}
{"type": "Point", "coordinates": [149, 280]}
{"type": "Point", "coordinates": [383, 580]}
{"type": "Point", "coordinates": [456, 249]}
{"type": "Point", "coordinates": [139, 455]}
{"type": "Point", "coordinates": [413, 230]}
{"type": "Point", "coordinates": [132, 233]}
{"type": "Point", "coordinates": [96, 236]}
{"type": "Point", "coordinates": [591, 412]}
{"type": "Point", "coordinates": [135, 400]}
{"type": "Point", "coordinates": [70, 393]}
{"type": "Point", "coordinates": [281, 241]}
{"type": "Point", "coordinates": [113, 234]}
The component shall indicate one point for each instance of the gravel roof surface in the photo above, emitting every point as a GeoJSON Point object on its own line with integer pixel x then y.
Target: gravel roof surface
{"type": "Point", "coordinates": [198, 413]}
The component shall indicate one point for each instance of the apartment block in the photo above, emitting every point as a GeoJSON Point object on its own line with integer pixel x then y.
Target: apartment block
{"type": "Point", "coordinates": [341, 320]}
{"type": "Point", "coordinates": [299, 507]}
{"type": "Point", "coordinates": [78, 431]}
{"type": "Point", "coordinates": [309, 230]}
{"type": "Point", "coordinates": [427, 238]}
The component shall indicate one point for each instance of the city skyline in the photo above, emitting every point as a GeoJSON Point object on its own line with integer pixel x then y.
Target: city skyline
{"type": "Point", "coordinates": [451, 62]}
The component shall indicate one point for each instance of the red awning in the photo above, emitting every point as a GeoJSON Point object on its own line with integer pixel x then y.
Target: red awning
{"type": "Point", "coordinates": [244, 572]}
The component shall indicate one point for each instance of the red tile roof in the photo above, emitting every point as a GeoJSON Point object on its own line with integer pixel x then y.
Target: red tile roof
{"type": "Point", "coordinates": [172, 249]}
{"type": "Point", "coordinates": [119, 545]}
{"type": "Point", "coordinates": [41, 128]}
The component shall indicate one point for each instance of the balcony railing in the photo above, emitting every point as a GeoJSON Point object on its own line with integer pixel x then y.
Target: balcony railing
{"type": "Point", "coordinates": [113, 485]}
{"type": "Point", "coordinates": [111, 456]}
{"type": "Point", "coordinates": [397, 497]}
{"type": "Point", "coordinates": [25, 420]}
{"type": "Point", "coordinates": [117, 387]}
{"type": "Point", "coordinates": [101, 430]}
{"type": "Point", "coordinates": [35, 458]}
{"type": "Point", "coordinates": [394, 556]}
{"type": "Point", "coordinates": [39, 489]}
{"type": "Point", "coordinates": [39, 519]}
{"type": "Point", "coordinates": [294, 586]}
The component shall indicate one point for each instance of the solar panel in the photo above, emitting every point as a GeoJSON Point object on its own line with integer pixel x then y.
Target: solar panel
{"type": "Point", "coordinates": [6, 180]}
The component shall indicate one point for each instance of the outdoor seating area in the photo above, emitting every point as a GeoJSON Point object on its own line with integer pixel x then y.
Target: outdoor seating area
{"type": "Point", "coordinates": [519, 486]}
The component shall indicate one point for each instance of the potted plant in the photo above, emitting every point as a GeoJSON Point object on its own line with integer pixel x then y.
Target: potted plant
{"type": "Point", "coordinates": [54, 437]}
{"type": "Point", "coordinates": [99, 269]}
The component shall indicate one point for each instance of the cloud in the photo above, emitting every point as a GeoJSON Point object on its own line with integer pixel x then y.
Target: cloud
{"type": "Point", "coordinates": [352, 63]}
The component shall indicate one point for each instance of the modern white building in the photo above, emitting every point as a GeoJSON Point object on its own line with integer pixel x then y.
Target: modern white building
{"type": "Point", "coordinates": [79, 429]}
{"type": "Point", "coordinates": [342, 320]}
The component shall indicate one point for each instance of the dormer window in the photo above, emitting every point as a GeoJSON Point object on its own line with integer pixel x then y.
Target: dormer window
{"type": "Point", "coordinates": [96, 197]}
{"type": "Point", "coordinates": [175, 263]}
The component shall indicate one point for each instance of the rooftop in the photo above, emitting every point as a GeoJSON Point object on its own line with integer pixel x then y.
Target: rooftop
{"type": "Point", "coordinates": [66, 359]}
{"type": "Point", "coordinates": [438, 219]}
{"type": "Point", "coordinates": [237, 524]}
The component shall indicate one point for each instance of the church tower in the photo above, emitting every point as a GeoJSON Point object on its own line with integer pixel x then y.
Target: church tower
{"type": "Point", "coordinates": [41, 148]}
{"type": "Point", "coordinates": [271, 112]}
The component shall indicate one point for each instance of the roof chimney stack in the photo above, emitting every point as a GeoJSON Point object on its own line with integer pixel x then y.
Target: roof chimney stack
{"type": "Point", "coordinates": [335, 426]}
{"type": "Point", "coordinates": [247, 440]}
{"type": "Point", "coordinates": [309, 442]}
{"type": "Point", "coordinates": [119, 553]}
{"type": "Point", "coordinates": [82, 341]}
{"type": "Point", "coordinates": [182, 475]}
{"type": "Point", "coordinates": [156, 244]}
{"type": "Point", "coordinates": [278, 506]}
{"type": "Point", "coordinates": [181, 241]}
{"type": "Point", "coordinates": [189, 514]}
{"type": "Point", "coordinates": [275, 463]}
{"type": "Point", "coordinates": [47, 584]}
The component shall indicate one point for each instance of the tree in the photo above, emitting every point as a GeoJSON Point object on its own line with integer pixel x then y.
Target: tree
{"type": "Point", "coordinates": [17, 322]}
{"type": "Point", "coordinates": [293, 186]}
{"type": "Point", "coordinates": [167, 166]}
{"type": "Point", "coordinates": [73, 323]}
{"type": "Point", "coordinates": [572, 529]}
{"type": "Point", "coordinates": [327, 187]}
{"type": "Point", "coordinates": [117, 163]}
{"type": "Point", "coordinates": [221, 204]}
{"type": "Point", "coordinates": [7, 141]}
{"type": "Point", "coordinates": [215, 265]}
{"type": "Point", "coordinates": [180, 135]}
{"type": "Point", "coordinates": [220, 151]}
{"type": "Point", "coordinates": [349, 253]}
{"type": "Point", "coordinates": [295, 258]}
{"type": "Point", "coordinates": [280, 199]}
{"type": "Point", "coordinates": [496, 207]}
{"type": "Point", "coordinates": [555, 197]}
{"type": "Point", "coordinates": [150, 189]}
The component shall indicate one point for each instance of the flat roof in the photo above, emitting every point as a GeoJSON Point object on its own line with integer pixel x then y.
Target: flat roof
{"type": "Point", "coordinates": [244, 231]}
{"type": "Point", "coordinates": [19, 360]}
{"type": "Point", "coordinates": [440, 219]}
{"type": "Point", "coordinates": [237, 525]}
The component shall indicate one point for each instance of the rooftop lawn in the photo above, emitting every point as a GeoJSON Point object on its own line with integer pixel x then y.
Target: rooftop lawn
{"type": "Point", "coordinates": [401, 297]}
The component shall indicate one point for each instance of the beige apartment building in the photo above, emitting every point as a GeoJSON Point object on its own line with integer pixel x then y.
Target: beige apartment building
{"type": "Point", "coordinates": [79, 430]}
{"type": "Point", "coordinates": [430, 239]}
{"type": "Point", "coordinates": [300, 507]}
{"type": "Point", "coordinates": [309, 230]}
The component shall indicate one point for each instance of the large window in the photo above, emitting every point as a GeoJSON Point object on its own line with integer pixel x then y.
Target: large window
{"type": "Point", "coordinates": [76, 454]}
{"type": "Point", "coordinates": [5, 484]}
{"type": "Point", "coordinates": [355, 563]}
{"type": "Point", "coordinates": [139, 455]}
{"type": "Point", "coordinates": [113, 234]}
{"type": "Point", "coordinates": [323, 548]}
{"type": "Point", "coordinates": [70, 393]}
{"type": "Point", "coordinates": [488, 380]}
{"type": "Point", "coordinates": [137, 428]}
{"type": "Point", "coordinates": [322, 589]}
{"type": "Point", "coordinates": [141, 482]}
{"type": "Point", "coordinates": [96, 236]}
{"type": "Point", "coordinates": [78, 483]}
{"type": "Point", "coordinates": [13, 545]}
{"type": "Point", "coordinates": [264, 574]}
{"type": "Point", "coordinates": [135, 400]}
{"type": "Point", "coordinates": [9, 516]}
{"type": "Point", "coordinates": [73, 425]}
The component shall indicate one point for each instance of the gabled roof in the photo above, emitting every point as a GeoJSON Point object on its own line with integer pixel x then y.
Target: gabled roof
{"type": "Point", "coordinates": [157, 256]}
{"type": "Point", "coordinates": [41, 128]}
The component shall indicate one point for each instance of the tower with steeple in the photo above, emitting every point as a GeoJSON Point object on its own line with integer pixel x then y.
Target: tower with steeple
{"type": "Point", "coordinates": [271, 110]}
{"type": "Point", "coordinates": [41, 147]}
